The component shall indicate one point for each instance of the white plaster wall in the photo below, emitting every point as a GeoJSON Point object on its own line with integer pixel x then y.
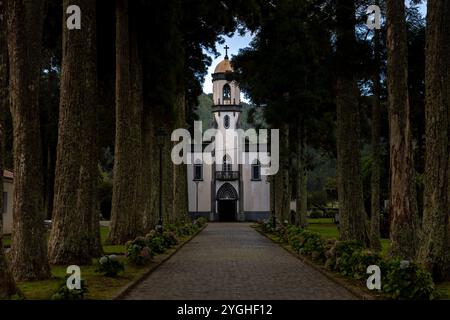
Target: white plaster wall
{"type": "Point", "coordinates": [256, 193]}
{"type": "Point", "coordinates": [204, 187]}
{"type": "Point", "coordinates": [8, 187]}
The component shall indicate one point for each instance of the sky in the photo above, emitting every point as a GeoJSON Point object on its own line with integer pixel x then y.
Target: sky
{"type": "Point", "coordinates": [237, 42]}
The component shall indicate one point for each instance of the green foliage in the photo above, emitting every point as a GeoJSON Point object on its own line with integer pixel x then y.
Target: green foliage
{"type": "Point", "coordinates": [138, 252]}
{"type": "Point", "coordinates": [110, 266]}
{"type": "Point", "coordinates": [65, 293]}
{"type": "Point", "coordinates": [406, 280]}
{"type": "Point", "coordinates": [142, 249]}
{"type": "Point", "coordinates": [400, 279]}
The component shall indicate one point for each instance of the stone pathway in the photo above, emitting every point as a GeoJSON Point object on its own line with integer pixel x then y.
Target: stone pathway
{"type": "Point", "coordinates": [232, 261]}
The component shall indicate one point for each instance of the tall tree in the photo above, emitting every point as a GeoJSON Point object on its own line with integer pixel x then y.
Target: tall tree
{"type": "Point", "coordinates": [435, 237]}
{"type": "Point", "coordinates": [126, 217]}
{"type": "Point", "coordinates": [402, 201]}
{"type": "Point", "coordinates": [24, 28]}
{"type": "Point", "coordinates": [351, 204]}
{"type": "Point", "coordinates": [376, 147]}
{"type": "Point", "coordinates": [7, 284]}
{"type": "Point", "coordinates": [73, 206]}
{"type": "Point", "coordinates": [301, 176]}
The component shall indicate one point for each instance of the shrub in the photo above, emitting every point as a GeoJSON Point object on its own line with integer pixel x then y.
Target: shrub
{"type": "Point", "coordinates": [201, 221]}
{"type": "Point", "coordinates": [110, 266]}
{"type": "Point", "coordinates": [65, 293]}
{"type": "Point", "coordinates": [170, 239]}
{"type": "Point", "coordinates": [406, 280]}
{"type": "Point", "coordinates": [138, 253]}
{"type": "Point", "coordinates": [313, 246]}
{"type": "Point", "coordinates": [338, 256]}
{"type": "Point", "coordinates": [316, 214]}
{"type": "Point", "coordinates": [359, 261]}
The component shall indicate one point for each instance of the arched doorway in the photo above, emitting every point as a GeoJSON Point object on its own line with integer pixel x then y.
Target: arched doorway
{"type": "Point", "coordinates": [227, 203]}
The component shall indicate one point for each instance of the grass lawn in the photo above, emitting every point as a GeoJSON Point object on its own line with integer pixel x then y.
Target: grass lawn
{"type": "Point", "coordinates": [109, 249]}
{"type": "Point", "coordinates": [99, 287]}
{"type": "Point", "coordinates": [327, 229]}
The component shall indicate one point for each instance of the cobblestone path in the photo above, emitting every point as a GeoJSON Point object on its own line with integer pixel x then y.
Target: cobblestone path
{"type": "Point", "coordinates": [233, 261]}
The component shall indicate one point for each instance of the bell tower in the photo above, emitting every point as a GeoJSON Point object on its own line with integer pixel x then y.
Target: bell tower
{"type": "Point", "coordinates": [226, 95]}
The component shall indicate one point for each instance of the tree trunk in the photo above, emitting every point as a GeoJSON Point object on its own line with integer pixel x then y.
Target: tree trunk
{"type": "Point", "coordinates": [7, 284]}
{"type": "Point", "coordinates": [302, 196]}
{"type": "Point", "coordinates": [73, 200]}
{"type": "Point", "coordinates": [24, 28]}
{"type": "Point", "coordinates": [148, 149]}
{"type": "Point", "coordinates": [126, 220]}
{"type": "Point", "coordinates": [403, 206]}
{"type": "Point", "coordinates": [282, 198]}
{"type": "Point", "coordinates": [351, 205]}
{"type": "Point", "coordinates": [180, 196]}
{"type": "Point", "coordinates": [375, 243]}
{"type": "Point", "coordinates": [435, 238]}
{"type": "Point", "coordinates": [89, 173]}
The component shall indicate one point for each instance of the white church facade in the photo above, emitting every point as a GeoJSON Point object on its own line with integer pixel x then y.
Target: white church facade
{"type": "Point", "coordinates": [226, 189]}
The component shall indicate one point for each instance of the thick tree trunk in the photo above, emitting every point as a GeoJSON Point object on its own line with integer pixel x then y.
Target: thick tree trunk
{"type": "Point", "coordinates": [7, 284]}
{"type": "Point", "coordinates": [302, 196]}
{"type": "Point", "coordinates": [73, 200]}
{"type": "Point", "coordinates": [375, 243]}
{"type": "Point", "coordinates": [89, 173]}
{"type": "Point", "coordinates": [283, 198]}
{"type": "Point", "coordinates": [351, 206]}
{"type": "Point", "coordinates": [24, 27]}
{"type": "Point", "coordinates": [148, 149]}
{"type": "Point", "coordinates": [403, 206]}
{"type": "Point", "coordinates": [180, 196]}
{"type": "Point", "coordinates": [126, 219]}
{"type": "Point", "coordinates": [434, 251]}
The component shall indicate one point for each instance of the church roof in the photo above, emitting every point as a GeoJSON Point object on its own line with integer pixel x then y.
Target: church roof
{"type": "Point", "coordinates": [224, 66]}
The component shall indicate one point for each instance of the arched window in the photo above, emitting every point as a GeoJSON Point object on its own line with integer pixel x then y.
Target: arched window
{"type": "Point", "coordinates": [226, 122]}
{"type": "Point", "coordinates": [226, 166]}
{"type": "Point", "coordinates": [256, 170]}
{"type": "Point", "coordinates": [226, 94]}
{"type": "Point", "coordinates": [198, 172]}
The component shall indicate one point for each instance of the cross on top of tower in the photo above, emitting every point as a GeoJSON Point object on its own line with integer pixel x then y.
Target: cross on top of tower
{"type": "Point", "coordinates": [226, 51]}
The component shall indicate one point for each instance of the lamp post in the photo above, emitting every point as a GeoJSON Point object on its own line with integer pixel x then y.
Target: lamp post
{"type": "Point", "coordinates": [196, 197]}
{"type": "Point", "coordinates": [160, 135]}
{"type": "Point", "coordinates": [274, 219]}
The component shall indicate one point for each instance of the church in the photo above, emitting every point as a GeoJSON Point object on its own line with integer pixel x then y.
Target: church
{"type": "Point", "coordinates": [225, 189]}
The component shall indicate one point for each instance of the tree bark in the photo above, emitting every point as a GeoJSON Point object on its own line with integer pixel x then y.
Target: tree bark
{"type": "Point", "coordinates": [302, 196]}
{"type": "Point", "coordinates": [435, 237]}
{"type": "Point", "coordinates": [283, 198]}
{"type": "Point", "coordinates": [403, 206]}
{"type": "Point", "coordinates": [375, 243]}
{"type": "Point", "coordinates": [351, 205]}
{"type": "Point", "coordinates": [7, 284]}
{"type": "Point", "coordinates": [73, 200]}
{"type": "Point", "coordinates": [180, 197]}
{"type": "Point", "coordinates": [126, 220]}
{"type": "Point", "coordinates": [24, 28]}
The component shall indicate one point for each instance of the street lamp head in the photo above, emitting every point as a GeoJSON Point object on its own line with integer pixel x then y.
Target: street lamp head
{"type": "Point", "coordinates": [160, 136]}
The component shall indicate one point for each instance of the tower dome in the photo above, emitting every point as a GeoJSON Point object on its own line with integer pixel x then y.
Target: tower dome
{"type": "Point", "coordinates": [224, 66]}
